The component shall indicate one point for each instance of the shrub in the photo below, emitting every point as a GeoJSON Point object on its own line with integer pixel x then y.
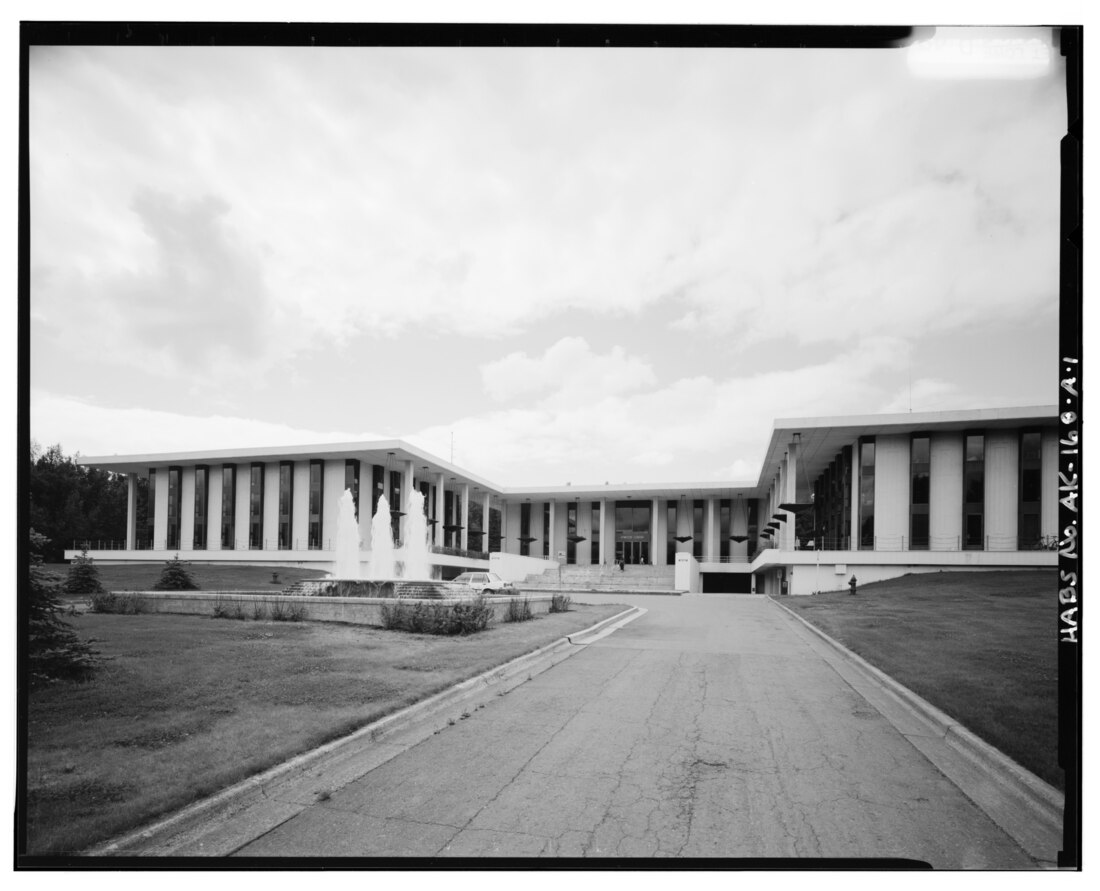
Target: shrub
{"type": "Point", "coordinates": [128, 604]}
{"type": "Point", "coordinates": [54, 650]}
{"type": "Point", "coordinates": [518, 610]}
{"type": "Point", "coordinates": [420, 617]}
{"type": "Point", "coordinates": [175, 577]}
{"type": "Point", "coordinates": [287, 612]}
{"type": "Point", "coordinates": [259, 612]}
{"type": "Point", "coordinates": [104, 602]}
{"type": "Point", "coordinates": [472, 616]}
{"type": "Point", "coordinates": [83, 576]}
{"type": "Point", "coordinates": [229, 609]}
{"type": "Point", "coordinates": [559, 603]}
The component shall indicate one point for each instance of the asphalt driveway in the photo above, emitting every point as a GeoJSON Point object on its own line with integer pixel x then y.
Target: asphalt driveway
{"type": "Point", "coordinates": [706, 728]}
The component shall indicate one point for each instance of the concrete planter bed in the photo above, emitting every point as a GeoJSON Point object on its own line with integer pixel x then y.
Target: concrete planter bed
{"type": "Point", "coordinates": [352, 610]}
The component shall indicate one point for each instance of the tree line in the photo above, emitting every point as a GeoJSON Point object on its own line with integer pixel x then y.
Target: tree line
{"type": "Point", "coordinates": [69, 503]}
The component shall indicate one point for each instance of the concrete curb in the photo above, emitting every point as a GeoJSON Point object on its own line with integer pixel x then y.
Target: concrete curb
{"type": "Point", "coordinates": [1026, 807]}
{"type": "Point", "coordinates": [659, 592]}
{"type": "Point", "coordinates": [182, 830]}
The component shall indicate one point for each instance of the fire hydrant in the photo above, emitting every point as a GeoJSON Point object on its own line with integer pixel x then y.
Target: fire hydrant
{"type": "Point", "coordinates": [852, 585]}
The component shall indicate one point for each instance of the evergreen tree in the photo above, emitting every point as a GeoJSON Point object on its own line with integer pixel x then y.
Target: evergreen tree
{"type": "Point", "coordinates": [83, 576]}
{"type": "Point", "coordinates": [70, 503]}
{"type": "Point", "coordinates": [175, 577]}
{"type": "Point", "coordinates": [54, 650]}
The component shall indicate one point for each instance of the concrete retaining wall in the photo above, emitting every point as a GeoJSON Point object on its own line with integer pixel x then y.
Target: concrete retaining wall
{"type": "Point", "coordinates": [353, 610]}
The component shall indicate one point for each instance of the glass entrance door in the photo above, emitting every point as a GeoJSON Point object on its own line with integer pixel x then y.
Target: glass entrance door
{"type": "Point", "coordinates": [633, 553]}
{"type": "Point", "coordinates": [632, 530]}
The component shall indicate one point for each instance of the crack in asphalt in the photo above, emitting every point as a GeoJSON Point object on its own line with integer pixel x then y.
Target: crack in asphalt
{"type": "Point", "coordinates": [538, 751]}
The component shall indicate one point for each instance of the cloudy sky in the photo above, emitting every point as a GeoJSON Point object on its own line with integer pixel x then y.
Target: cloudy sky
{"type": "Point", "coordinates": [584, 265]}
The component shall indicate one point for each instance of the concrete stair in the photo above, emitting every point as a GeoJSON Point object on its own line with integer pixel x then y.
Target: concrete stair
{"type": "Point", "coordinates": [655, 579]}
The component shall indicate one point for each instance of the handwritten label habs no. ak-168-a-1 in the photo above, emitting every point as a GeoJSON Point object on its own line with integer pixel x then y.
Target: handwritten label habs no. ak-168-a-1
{"type": "Point", "coordinates": [1068, 495]}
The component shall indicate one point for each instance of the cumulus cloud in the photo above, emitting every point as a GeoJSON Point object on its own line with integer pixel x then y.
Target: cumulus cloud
{"type": "Point", "coordinates": [691, 428]}
{"type": "Point", "coordinates": [568, 370]}
{"type": "Point", "coordinates": [262, 230]}
{"type": "Point", "coordinates": [93, 430]}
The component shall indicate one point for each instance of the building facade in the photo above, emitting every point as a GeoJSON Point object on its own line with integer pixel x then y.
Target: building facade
{"type": "Point", "coordinates": [873, 496]}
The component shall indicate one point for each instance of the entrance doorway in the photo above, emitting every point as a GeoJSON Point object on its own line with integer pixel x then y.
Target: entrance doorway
{"type": "Point", "coordinates": [632, 553]}
{"type": "Point", "coordinates": [632, 532]}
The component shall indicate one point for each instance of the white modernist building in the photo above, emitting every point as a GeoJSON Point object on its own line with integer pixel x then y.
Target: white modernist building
{"type": "Point", "coordinates": [872, 496]}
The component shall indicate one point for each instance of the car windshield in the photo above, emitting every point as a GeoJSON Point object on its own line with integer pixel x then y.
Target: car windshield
{"type": "Point", "coordinates": [465, 577]}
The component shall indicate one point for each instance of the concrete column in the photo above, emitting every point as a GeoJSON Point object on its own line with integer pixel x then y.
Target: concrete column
{"type": "Point", "coordinates": [1048, 510]}
{"type": "Point", "coordinates": [240, 509]}
{"type": "Point", "coordinates": [271, 506]}
{"type": "Point", "coordinates": [790, 493]}
{"type": "Point", "coordinates": [187, 507]}
{"type": "Point", "coordinates": [505, 542]}
{"type": "Point", "coordinates": [1002, 489]}
{"type": "Point", "coordinates": [214, 509]}
{"type": "Point", "coordinates": [464, 519]}
{"type": "Point", "coordinates": [486, 505]}
{"type": "Point", "coordinates": [549, 532]}
{"type": "Point", "coordinates": [440, 510]}
{"type": "Point", "coordinates": [945, 462]}
{"type": "Point", "coordinates": [131, 511]}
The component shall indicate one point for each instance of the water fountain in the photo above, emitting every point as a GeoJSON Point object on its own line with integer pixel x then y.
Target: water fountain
{"type": "Point", "coordinates": [415, 545]}
{"type": "Point", "coordinates": [346, 556]}
{"type": "Point", "coordinates": [382, 578]}
{"type": "Point", "coordinates": [382, 564]}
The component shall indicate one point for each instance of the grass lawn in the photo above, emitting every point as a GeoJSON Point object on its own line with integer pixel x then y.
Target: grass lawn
{"type": "Point", "coordinates": [187, 705]}
{"type": "Point", "coordinates": [980, 646]}
{"type": "Point", "coordinates": [216, 577]}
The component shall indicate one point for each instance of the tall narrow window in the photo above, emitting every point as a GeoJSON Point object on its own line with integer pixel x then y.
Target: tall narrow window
{"type": "Point", "coordinates": [476, 523]}
{"type": "Point", "coordinates": [753, 530]}
{"type": "Point", "coordinates": [351, 481]}
{"type": "Point", "coordinates": [286, 504]}
{"type": "Point", "coordinates": [724, 529]}
{"type": "Point", "coordinates": [316, 503]}
{"type": "Point", "coordinates": [867, 494]}
{"type": "Point", "coordinates": [974, 492]}
{"type": "Point", "coordinates": [202, 489]}
{"type": "Point", "coordinates": [496, 537]}
{"type": "Point", "coordinates": [458, 520]}
{"type": "Point", "coordinates": [595, 559]}
{"type": "Point", "coordinates": [256, 507]}
{"type": "Point", "coordinates": [919, 487]}
{"type": "Point", "coordinates": [448, 518]}
{"type": "Point", "coordinates": [395, 503]}
{"type": "Point", "coordinates": [377, 487]}
{"type": "Point", "coordinates": [670, 541]}
{"type": "Point", "coordinates": [229, 506]}
{"type": "Point", "coordinates": [525, 529]}
{"type": "Point", "coordinates": [571, 532]}
{"type": "Point", "coordinates": [151, 509]}
{"type": "Point", "coordinates": [1031, 490]}
{"type": "Point", "coordinates": [697, 528]}
{"type": "Point", "coordinates": [175, 507]}
{"type": "Point", "coordinates": [546, 529]}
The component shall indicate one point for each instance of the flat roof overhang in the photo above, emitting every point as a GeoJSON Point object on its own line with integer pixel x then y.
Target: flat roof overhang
{"type": "Point", "coordinates": [395, 452]}
{"type": "Point", "coordinates": [822, 438]}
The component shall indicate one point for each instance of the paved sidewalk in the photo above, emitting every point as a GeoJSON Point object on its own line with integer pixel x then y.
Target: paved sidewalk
{"type": "Point", "coordinates": [706, 728]}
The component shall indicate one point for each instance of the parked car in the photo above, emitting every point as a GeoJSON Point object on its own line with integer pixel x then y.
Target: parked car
{"type": "Point", "coordinates": [484, 582]}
